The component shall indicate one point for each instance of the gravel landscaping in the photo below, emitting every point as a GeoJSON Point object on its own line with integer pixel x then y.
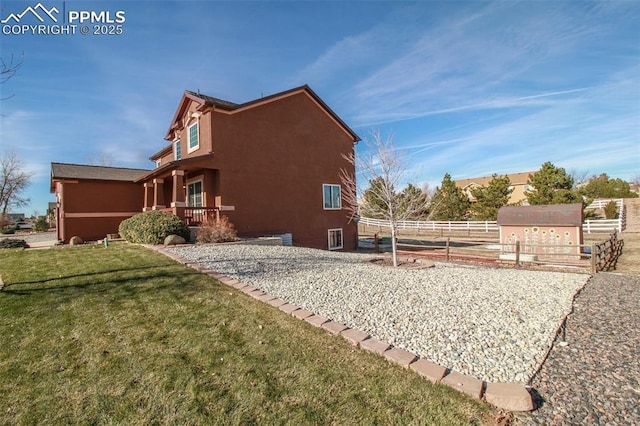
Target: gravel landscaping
{"type": "Point", "coordinates": [494, 324]}
{"type": "Point", "coordinates": [32, 237]}
{"type": "Point", "coordinates": [593, 376]}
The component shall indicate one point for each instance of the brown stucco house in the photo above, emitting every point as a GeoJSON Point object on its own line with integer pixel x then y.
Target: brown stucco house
{"type": "Point", "coordinates": [91, 201]}
{"type": "Point", "coordinates": [270, 165]}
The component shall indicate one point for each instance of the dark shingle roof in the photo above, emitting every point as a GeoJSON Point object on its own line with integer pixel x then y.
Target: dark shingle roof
{"type": "Point", "coordinates": [543, 215]}
{"type": "Point", "coordinates": [81, 171]}
{"type": "Point", "coordinates": [214, 101]}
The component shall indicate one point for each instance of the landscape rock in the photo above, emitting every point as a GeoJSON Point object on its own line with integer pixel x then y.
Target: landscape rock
{"type": "Point", "coordinates": [75, 240]}
{"type": "Point", "coordinates": [483, 322]}
{"type": "Point", "coordinates": [174, 240]}
{"type": "Point", "coordinates": [509, 396]}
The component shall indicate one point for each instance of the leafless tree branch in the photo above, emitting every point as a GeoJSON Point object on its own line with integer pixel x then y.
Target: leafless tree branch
{"type": "Point", "coordinates": [13, 180]}
{"type": "Point", "coordinates": [8, 69]}
{"type": "Point", "coordinates": [381, 164]}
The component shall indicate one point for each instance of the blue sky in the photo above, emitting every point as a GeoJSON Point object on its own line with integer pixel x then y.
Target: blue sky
{"type": "Point", "coordinates": [467, 88]}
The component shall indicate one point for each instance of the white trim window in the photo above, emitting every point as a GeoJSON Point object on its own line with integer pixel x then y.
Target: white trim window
{"type": "Point", "coordinates": [335, 239]}
{"type": "Point", "coordinates": [158, 162]}
{"type": "Point", "coordinates": [193, 133]}
{"type": "Point", "coordinates": [194, 194]}
{"type": "Point", "coordinates": [331, 197]}
{"type": "Point", "coordinates": [177, 154]}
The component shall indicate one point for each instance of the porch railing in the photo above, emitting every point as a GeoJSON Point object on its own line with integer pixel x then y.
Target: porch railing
{"type": "Point", "coordinates": [194, 216]}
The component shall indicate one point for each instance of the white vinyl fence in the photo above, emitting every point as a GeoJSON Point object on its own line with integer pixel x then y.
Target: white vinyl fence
{"type": "Point", "coordinates": [589, 226]}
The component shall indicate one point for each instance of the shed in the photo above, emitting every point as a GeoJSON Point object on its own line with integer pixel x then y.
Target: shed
{"type": "Point", "coordinates": [545, 231]}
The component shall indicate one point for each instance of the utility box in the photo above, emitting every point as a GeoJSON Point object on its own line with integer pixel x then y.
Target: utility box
{"type": "Point", "coordinates": [544, 232]}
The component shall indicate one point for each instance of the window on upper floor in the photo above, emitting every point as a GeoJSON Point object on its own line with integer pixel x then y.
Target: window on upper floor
{"type": "Point", "coordinates": [335, 239]}
{"type": "Point", "coordinates": [194, 139]}
{"type": "Point", "coordinates": [158, 162]}
{"type": "Point", "coordinates": [176, 150]}
{"type": "Point", "coordinates": [331, 197]}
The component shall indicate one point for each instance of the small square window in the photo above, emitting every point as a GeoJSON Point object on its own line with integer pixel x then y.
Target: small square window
{"type": "Point", "coordinates": [331, 197]}
{"type": "Point", "coordinates": [194, 141]}
{"type": "Point", "coordinates": [335, 239]}
{"type": "Point", "coordinates": [158, 162]}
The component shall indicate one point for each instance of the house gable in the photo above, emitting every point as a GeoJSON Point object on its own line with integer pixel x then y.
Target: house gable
{"type": "Point", "coordinates": [204, 103]}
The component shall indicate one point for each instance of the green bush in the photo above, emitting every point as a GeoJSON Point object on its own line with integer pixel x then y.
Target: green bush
{"type": "Point", "coordinates": [611, 210]}
{"type": "Point", "coordinates": [41, 225]}
{"type": "Point", "coordinates": [221, 231]}
{"type": "Point", "coordinates": [9, 243]}
{"type": "Point", "coordinates": [8, 230]}
{"type": "Point", "coordinates": [152, 227]}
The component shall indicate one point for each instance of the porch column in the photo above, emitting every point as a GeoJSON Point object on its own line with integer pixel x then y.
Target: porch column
{"type": "Point", "coordinates": [178, 192]}
{"type": "Point", "coordinates": [148, 197]}
{"type": "Point", "coordinates": [158, 194]}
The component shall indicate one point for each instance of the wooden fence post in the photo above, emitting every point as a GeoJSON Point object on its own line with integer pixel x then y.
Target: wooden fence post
{"type": "Point", "coordinates": [518, 253]}
{"type": "Point", "coordinates": [448, 241]}
{"type": "Point", "coordinates": [594, 261]}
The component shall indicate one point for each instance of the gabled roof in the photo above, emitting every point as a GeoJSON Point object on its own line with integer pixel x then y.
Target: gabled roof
{"type": "Point", "coordinates": [61, 171]}
{"type": "Point", "coordinates": [548, 215]}
{"type": "Point", "coordinates": [164, 151]}
{"type": "Point", "coordinates": [205, 100]}
{"type": "Point", "coordinates": [515, 178]}
{"type": "Point", "coordinates": [210, 100]}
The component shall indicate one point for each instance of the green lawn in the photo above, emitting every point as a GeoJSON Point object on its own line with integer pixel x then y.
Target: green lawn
{"type": "Point", "coordinates": [123, 335]}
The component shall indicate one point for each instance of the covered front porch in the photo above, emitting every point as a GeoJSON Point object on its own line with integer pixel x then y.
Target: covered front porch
{"type": "Point", "coordinates": [188, 190]}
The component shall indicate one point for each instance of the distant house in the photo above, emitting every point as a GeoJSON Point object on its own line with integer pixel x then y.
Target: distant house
{"type": "Point", "coordinates": [271, 165]}
{"type": "Point", "coordinates": [518, 184]}
{"type": "Point", "coordinates": [14, 217]}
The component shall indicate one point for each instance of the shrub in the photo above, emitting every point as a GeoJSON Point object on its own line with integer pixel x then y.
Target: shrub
{"type": "Point", "coordinates": [9, 230]}
{"type": "Point", "coordinates": [152, 227]}
{"type": "Point", "coordinates": [216, 232]}
{"type": "Point", "coordinates": [9, 243]}
{"type": "Point", "coordinates": [611, 210]}
{"type": "Point", "coordinates": [41, 225]}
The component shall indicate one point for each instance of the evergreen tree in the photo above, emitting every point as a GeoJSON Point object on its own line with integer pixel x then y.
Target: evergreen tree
{"type": "Point", "coordinates": [414, 201]}
{"type": "Point", "coordinates": [551, 185]}
{"type": "Point", "coordinates": [449, 202]}
{"type": "Point", "coordinates": [604, 187]}
{"type": "Point", "coordinates": [490, 198]}
{"type": "Point", "coordinates": [375, 200]}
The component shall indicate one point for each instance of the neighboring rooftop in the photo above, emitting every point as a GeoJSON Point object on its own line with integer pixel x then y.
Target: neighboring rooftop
{"type": "Point", "coordinates": [515, 178]}
{"type": "Point", "coordinates": [82, 171]}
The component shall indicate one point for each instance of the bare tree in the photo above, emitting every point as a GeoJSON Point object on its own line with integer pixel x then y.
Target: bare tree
{"type": "Point", "coordinates": [8, 69]}
{"type": "Point", "coordinates": [102, 159]}
{"type": "Point", "coordinates": [580, 177]}
{"type": "Point", "coordinates": [13, 181]}
{"type": "Point", "coordinates": [383, 165]}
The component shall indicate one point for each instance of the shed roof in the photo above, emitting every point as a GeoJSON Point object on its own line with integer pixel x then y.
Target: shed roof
{"type": "Point", "coordinates": [554, 214]}
{"type": "Point", "coordinates": [82, 171]}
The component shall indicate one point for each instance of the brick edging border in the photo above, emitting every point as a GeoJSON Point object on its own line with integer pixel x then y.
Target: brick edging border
{"type": "Point", "coordinates": [507, 396]}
